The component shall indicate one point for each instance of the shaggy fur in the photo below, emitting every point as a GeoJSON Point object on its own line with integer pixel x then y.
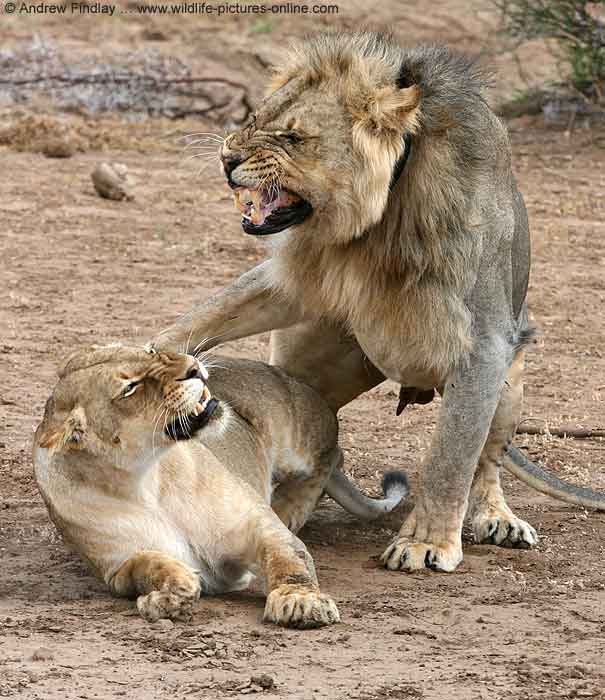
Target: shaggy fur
{"type": "Point", "coordinates": [422, 281]}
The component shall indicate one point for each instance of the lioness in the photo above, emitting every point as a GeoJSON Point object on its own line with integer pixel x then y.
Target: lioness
{"type": "Point", "coordinates": [169, 493]}
{"type": "Point", "coordinates": [400, 249]}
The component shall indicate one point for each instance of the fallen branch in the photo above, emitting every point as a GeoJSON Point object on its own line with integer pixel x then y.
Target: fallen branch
{"type": "Point", "coordinates": [572, 432]}
{"type": "Point", "coordinates": [163, 86]}
{"type": "Point", "coordinates": [116, 79]}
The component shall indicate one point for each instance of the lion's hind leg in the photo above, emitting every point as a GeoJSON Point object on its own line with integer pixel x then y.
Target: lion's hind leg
{"type": "Point", "coordinates": [295, 499]}
{"type": "Point", "coordinates": [492, 520]}
{"type": "Point", "coordinates": [164, 586]}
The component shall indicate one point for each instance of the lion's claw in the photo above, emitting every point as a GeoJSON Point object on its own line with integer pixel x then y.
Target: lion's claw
{"type": "Point", "coordinates": [405, 555]}
{"type": "Point", "coordinates": [503, 528]}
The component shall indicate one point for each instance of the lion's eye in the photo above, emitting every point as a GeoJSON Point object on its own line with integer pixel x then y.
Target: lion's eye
{"type": "Point", "coordinates": [292, 137]}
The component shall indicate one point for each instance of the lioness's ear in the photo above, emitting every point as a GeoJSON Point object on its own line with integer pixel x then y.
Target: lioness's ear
{"type": "Point", "coordinates": [58, 432]}
{"type": "Point", "coordinates": [391, 109]}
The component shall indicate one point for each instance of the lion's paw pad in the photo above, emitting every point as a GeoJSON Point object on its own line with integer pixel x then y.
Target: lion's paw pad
{"type": "Point", "coordinates": [291, 606]}
{"type": "Point", "coordinates": [504, 529]}
{"type": "Point", "coordinates": [405, 555]}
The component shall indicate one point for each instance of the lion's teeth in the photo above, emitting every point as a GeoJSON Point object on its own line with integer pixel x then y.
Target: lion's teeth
{"type": "Point", "coordinates": [198, 408]}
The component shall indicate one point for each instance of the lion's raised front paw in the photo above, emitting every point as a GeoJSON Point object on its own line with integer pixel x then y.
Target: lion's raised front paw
{"type": "Point", "coordinates": [175, 602]}
{"type": "Point", "coordinates": [502, 527]}
{"type": "Point", "coordinates": [299, 607]}
{"type": "Point", "coordinates": [406, 555]}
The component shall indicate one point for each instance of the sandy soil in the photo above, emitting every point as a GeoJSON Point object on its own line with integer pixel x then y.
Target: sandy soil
{"type": "Point", "coordinates": [75, 269]}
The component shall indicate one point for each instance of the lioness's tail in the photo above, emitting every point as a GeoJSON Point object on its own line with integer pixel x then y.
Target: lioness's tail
{"type": "Point", "coordinates": [345, 493]}
{"type": "Point", "coordinates": [534, 476]}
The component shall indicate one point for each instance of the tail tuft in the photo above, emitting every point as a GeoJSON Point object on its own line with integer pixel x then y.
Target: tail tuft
{"type": "Point", "coordinates": [344, 491]}
{"type": "Point", "coordinates": [395, 485]}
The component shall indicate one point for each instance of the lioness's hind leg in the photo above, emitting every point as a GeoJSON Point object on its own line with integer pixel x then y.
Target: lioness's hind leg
{"type": "Point", "coordinates": [166, 588]}
{"type": "Point", "coordinates": [295, 500]}
{"type": "Point", "coordinates": [492, 520]}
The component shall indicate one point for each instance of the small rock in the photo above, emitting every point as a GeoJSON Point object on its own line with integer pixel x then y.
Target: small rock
{"type": "Point", "coordinates": [60, 146]}
{"type": "Point", "coordinates": [42, 654]}
{"type": "Point", "coordinates": [111, 181]}
{"type": "Point", "coordinates": [164, 625]}
{"type": "Point", "coordinates": [265, 681]}
{"type": "Point", "coordinates": [154, 35]}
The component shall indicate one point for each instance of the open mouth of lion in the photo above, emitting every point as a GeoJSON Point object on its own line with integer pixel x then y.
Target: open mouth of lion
{"type": "Point", "coordinates": [185, 427]}
{"type": "Point", "coordinates": [269, 210]}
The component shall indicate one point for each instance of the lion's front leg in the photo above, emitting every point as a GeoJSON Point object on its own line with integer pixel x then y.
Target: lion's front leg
{"type": "Point", "coordinates": [432, 535]}
{"type": "Point", "coordinates": [164, 586]}
{"type": "Point", "coordinates": [247, 307]}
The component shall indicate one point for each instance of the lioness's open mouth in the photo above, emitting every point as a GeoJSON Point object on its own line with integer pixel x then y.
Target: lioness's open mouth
{"type": "Point", "coordinates": [267, 211]}
{"type": "Point", "coordinates": [184, 428]}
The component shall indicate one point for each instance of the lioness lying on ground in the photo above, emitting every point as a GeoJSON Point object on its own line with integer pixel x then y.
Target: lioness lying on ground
{"type": "Point", "coordinates": [168, 493]}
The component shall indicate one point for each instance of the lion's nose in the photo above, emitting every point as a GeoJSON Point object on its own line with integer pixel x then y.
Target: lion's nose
{"type": "Point", "coordinates": [230, 162]}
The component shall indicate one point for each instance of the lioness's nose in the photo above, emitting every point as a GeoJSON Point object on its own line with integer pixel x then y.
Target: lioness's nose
{"type": "Point", "coordinates": [194, 373]}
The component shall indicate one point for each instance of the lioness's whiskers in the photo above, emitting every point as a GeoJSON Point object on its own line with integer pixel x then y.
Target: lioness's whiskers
{"type": "Point", "coordinates": [207, 339]}
{"type": "Point", "coordinates": [186, 348]}
{"type": "Point", "coordinates": [156, 421]}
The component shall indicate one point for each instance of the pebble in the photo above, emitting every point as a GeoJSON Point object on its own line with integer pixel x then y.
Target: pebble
{"type": "Point", "coordinates": [265, 681]}
{"type": "Point", "coordinates": [111, 181]}
{"type": "Point", "coordinates": [42, 654]}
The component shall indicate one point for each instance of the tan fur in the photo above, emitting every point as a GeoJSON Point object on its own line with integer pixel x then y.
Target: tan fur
{"type": "Point", "coordinates": [164, 521]}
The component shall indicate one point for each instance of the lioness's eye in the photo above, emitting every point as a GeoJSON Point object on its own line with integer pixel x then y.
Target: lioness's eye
{"type": "Point", "coordinates": [130, 388]}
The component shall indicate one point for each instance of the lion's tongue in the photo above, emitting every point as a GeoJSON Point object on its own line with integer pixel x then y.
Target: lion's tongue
{"type": "Point", "coordinates": [250, 203]}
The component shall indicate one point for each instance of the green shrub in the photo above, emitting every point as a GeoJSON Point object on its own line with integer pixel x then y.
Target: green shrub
{"type": "Point", "coordinates": [577, 28]}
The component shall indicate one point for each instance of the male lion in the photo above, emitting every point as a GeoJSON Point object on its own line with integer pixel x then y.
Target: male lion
{"type": "Point", "coordinates": [163, 516]}
{"type": "Point", "coordinates": [400, 249]}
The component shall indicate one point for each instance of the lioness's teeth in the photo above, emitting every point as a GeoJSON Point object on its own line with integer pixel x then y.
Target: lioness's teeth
{"type": "Point", "coordinates": [198, 408]}
{"type": "Point", "coordinates": [206, 394]}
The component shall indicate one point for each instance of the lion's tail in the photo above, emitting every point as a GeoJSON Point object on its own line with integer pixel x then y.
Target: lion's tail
{"type": "Point", "coordinates": [344, 492]}
{"type": "Point", "coordinates": [534, 476]}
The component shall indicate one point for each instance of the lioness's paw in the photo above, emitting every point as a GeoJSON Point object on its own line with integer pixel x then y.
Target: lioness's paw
{"type": "Point", "coordinates": [158, 605]}
{"type": "Point", "coordinates": [406, 555]}
{"type": "Point", "coordinates": [175, 602]}
{"type": "Point", "coordinates": [502, 527]}
{"type": "Point", "coordinates": [299, 607]}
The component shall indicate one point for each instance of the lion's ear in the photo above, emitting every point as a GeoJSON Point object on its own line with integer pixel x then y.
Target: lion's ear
{"type": "Point", "coordinates": [59, 431]}
{"type": "Point", "coordinates": [391, 109]}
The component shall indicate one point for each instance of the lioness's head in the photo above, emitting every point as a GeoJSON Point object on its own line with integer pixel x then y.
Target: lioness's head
{"type": "Point", "coordinates": [126, 405]}
{"type": "Point", "coordinates": [327, 140]}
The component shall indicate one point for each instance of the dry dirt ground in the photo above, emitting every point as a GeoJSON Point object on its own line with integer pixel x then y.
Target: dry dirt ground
{"type": "Point", "coordinates": [75, 269]}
